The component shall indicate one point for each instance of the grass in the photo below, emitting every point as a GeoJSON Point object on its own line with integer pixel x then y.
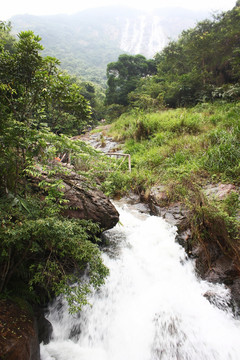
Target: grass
{"type": "Point", "coordinates": [202, 141]}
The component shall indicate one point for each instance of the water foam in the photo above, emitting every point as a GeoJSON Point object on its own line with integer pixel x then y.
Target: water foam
{"type": "Point", "coordinates": [152, 305]}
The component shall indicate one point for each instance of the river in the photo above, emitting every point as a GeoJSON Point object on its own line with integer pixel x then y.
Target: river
{"type": "Point", "coordinates": [152, 306]}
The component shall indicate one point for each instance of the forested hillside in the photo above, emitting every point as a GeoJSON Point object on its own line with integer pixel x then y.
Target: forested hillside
{"type": "Point", "coordinates": [202, 65]}
{"type": "Point", "coordinates": [86, 42]}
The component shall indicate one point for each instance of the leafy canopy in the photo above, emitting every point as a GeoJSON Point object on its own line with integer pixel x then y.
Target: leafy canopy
{"type": "Point", "coordinates": [124, 75]}
{"type": "Point", "coordinates": [33, 89]}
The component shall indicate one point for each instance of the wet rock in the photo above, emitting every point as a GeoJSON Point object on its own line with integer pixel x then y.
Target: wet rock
{"type": "Point", "coordinates": [184, 239]}
{"type": "Point", "coordinates": [18, 340]}
{"type": "Point", "coordinates": [75, 332]}
{"type": "Point", "coordinates": [176, 214]}
{"type": "Point", "coordinates": [223, 270]}
{"type": "Point", "coordinates": [159, 203]}
{"type": "Point", "coordinates": [222, 302]}
{"type": "Point", "coordinates": [44, 326]}
{"type": "Point", "coordinates": [214, 266]}
{"type": "Point", "coordinates": [135, 202]}
{"type": "Point", "coordinates": [235, 290]}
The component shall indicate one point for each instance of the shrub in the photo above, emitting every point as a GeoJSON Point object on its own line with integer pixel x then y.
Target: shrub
{"type": "Point", "coordinates": [46, 255]}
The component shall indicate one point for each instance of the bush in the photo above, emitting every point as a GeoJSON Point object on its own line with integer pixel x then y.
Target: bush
{"type": "Point", "coordinates": [45, 255]}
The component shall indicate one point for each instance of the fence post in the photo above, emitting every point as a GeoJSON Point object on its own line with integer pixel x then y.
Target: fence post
{"type": "Point", "coordinates": [129, 163]}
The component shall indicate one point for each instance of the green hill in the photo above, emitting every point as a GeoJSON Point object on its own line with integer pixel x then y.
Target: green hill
{"type": "Point", "coordinates": [87, 41]}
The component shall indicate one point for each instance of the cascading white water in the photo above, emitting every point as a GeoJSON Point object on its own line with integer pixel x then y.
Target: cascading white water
{"type": "Point", "coordinates": [152, 305]}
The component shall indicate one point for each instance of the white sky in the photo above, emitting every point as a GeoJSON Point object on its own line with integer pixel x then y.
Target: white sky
{"type": "Point", "coordinates": [9, 8]}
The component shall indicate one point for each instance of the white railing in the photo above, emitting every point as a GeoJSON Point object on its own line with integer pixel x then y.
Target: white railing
{"type": "Point", "coordinates": [126, 156]}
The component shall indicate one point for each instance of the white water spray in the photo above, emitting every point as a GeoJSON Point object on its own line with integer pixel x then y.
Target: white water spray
{"type": "Point", "coordinates": [152, 305]}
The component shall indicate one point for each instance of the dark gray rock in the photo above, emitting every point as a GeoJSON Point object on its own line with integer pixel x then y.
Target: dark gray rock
{"type": "Point", "coordinates": [44, 326]}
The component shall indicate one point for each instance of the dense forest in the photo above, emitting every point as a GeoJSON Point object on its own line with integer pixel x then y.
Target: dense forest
{"type": "Point", "coordinates": [179, 121]}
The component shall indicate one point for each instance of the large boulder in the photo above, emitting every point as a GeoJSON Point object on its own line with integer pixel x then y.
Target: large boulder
{"type": "Point", "coordinates": [86, 202]}
{"type": "Point", "coordinates": [83, 200]}
{"type": "Point", "coordinates": [19, 337]}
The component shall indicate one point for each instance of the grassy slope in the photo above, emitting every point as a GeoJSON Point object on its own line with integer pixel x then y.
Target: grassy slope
{"type": "Point", "coordinates": [186, 149]}
{"type": "Point", "coordinates": [174, 145]}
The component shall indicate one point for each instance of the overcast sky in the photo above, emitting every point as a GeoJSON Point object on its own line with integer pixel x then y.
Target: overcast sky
{"type": "Point", "coordinates": [47, 7]}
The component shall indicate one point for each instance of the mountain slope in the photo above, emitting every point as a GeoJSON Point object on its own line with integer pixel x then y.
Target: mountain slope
{"type": "Point", "coordinates": [87, 41]}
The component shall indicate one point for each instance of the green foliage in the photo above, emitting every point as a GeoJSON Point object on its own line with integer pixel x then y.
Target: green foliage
{"type": "Point", "coordinates": [202, 65]}
{"type": "Point", "coordinates": [114, 111]}
{"type": "Point", "coordinates": [117, 183]}
{"type": "Point", "coordinates": [175, 145]}
{"type": "Point", "coordinates": [224, 153]}
{"type": "Point", "coordinates": [231, 204]}
{"type": "Point", "coordinates": [123, 77]}
{"type": "Point", "coordinates": [148, 95]}
{"type": "Point", "coordinates": [140, 125]}
{"type": "Point", "coordinates": [7, 41]}
{"type": "Point", "coordinates": [41, 253]}
{"type": "Point", "coordinates": [33, 89]}
{"type": "Point", "coordinates": [47, 253]}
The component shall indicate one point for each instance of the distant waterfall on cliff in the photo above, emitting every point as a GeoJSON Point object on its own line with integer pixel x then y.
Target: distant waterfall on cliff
{"type": "Point", "coordinates": [143, 35]}
{"type": "Point", "coordinates": [152, 306]}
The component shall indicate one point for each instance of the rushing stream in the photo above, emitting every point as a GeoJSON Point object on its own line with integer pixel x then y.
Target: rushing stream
{"type": "Point", "coordinates": [152, 305]}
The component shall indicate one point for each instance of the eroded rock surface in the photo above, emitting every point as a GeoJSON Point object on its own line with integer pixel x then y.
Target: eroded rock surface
{"type": "Point", "coordinates": [83, 201]}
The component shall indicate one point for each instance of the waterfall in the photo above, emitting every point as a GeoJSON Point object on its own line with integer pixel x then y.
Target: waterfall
{"type": "Point", "coordinates": [143, 35]}
{"type": "Point", "coordinates": [152, 306]}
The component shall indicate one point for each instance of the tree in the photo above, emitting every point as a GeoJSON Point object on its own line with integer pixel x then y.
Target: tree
{"type": "Point", "coordinates": [7, 41]}
{"type": "Point", "coordinates": [124, 75]}
{"type": "Point", "coordinates": [34, 94]}
{"type": "Point", "coordinates": [33, 89]}
{"type": "Point", "coordinates": [203, 63]}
